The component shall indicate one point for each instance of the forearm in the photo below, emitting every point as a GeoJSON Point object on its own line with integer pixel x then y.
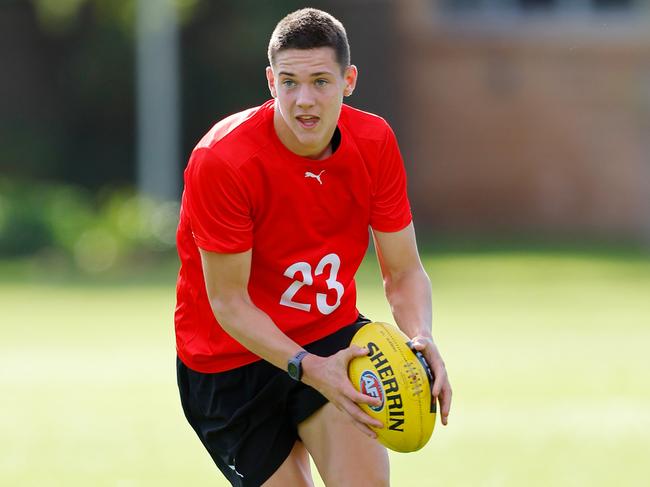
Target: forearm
{"type": "Point", "coordinates": [408, 291]}
{"type": "Point", "coordinates": [254, 329]}
{"type": "Point", "coordinates": [409, 296]}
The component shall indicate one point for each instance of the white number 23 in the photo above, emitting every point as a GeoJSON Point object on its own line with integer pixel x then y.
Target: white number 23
{"type": "Point", "coordinates": [307, 279]}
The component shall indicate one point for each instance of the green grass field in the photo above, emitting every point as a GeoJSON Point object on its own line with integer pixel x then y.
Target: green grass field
{"type": "Point", "coordinates": [547, 352]}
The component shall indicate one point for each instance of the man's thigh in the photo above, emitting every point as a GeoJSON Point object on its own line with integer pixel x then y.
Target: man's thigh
{"type": "Point", "coordinates": [343, 454]}
{"type": "Point", "coordinates": [295, 471]}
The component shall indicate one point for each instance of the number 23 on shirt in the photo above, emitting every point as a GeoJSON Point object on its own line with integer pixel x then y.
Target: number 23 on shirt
{"type": "Point", "coordinates": [303, 275]}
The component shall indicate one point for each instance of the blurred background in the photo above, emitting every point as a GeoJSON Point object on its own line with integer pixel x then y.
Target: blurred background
{"type": "Point", "coordinates": [525, 128]}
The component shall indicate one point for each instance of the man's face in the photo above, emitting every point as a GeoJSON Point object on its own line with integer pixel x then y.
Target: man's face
{"type": "Point", "coordinates": [308, 88]}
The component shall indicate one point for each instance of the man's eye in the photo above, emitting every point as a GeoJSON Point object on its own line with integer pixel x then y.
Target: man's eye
{"type": "Point", "coordinates": [321, 82]}
{"type": "Point", "coordinates": [288, 83]}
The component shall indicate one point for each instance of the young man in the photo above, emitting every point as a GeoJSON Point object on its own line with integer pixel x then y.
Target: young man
{"type": "Point", "coordinates": [274, 224]}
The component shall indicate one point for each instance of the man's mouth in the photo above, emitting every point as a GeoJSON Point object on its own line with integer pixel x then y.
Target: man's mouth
{"type": "Point", "coordinates": [308, 121]}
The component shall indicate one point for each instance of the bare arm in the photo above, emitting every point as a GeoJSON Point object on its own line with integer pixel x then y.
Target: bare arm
{"type": "Point", "coordinates": [226, 280]}
{"type": "Point", "coordinates": [408, 291]}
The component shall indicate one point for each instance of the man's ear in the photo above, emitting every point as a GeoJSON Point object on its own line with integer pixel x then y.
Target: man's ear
{"type": "Point", "coordinates": [351, 74]}
{"type": "Point", "coordinates": [271, 81]}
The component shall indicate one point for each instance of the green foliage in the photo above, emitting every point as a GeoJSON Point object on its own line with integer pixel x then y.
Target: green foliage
{"type": "Point", "coordinates": [60, 16]}
{"type": "Point", "coordinates": [93, 233]}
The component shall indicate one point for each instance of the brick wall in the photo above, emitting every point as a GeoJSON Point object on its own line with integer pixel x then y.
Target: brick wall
{"type": "Point", "coordinates": [528, 128]}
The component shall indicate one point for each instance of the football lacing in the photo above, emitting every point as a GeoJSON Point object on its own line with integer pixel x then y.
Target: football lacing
{"type": "Point", "coordinates": [414, 379]}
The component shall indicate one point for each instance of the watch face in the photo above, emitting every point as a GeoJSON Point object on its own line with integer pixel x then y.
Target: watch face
{"type": "Point", "coordinates": [294, 367]}
{"type": "Point", "coordinates": [293, 370]}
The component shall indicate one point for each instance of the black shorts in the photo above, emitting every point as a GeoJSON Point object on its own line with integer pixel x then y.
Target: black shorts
{"type": "Point", "coordinates": [247, 418]}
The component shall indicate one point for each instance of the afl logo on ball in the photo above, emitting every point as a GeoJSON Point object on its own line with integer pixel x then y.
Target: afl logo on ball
{"type": "Point", "coordinates": [370, 386]}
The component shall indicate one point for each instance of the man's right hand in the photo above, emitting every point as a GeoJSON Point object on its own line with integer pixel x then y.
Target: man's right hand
{"type": "Point", "coordinates": [329, 376]}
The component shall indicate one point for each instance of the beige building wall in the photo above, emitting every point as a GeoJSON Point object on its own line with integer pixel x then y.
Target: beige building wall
{"type": "Point", "coordinates": [534, 127]}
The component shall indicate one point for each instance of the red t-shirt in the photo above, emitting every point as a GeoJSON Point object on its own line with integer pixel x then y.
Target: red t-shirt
{"type": "Point", "coordinates": [305, 220]}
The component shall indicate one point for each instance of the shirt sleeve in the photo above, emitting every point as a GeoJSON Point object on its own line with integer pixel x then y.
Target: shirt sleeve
{"type": "Point", "coordinates": [219, 209]}
{"type": "Point", "coordinates": [390, 211]}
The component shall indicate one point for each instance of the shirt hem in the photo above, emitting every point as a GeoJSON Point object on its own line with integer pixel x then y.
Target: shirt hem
{"type": "Point", "coordinates": [245, 358]}
{"type": "Point", "coordinates": [222, 249]}
{"type": "Point", "coordinates": [396, 227]}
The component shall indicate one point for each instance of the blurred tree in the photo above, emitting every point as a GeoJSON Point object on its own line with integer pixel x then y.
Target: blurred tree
{"type": "Point", "coordinates": [67, 105]}
{"type": "Point", "coordinates": [224, 55]}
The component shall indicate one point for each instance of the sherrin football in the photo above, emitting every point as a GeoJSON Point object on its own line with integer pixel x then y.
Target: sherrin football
{"type": "Point", "coordinates": [400, 377]}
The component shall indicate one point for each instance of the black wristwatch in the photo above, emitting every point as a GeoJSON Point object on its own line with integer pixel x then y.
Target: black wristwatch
{"type": "Point", "coordinates": [294, 367]}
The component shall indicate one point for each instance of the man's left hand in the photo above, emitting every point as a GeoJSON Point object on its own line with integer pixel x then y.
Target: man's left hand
{"type": "Point", "coordinates": [441, 387]}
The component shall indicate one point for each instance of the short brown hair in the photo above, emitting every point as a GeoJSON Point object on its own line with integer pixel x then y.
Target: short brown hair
{"type": "Point", "coordinates": [309, 28]}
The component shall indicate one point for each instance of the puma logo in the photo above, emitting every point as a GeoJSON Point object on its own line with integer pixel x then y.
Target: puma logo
{"type": "Point", "coordinates": [312, 175]}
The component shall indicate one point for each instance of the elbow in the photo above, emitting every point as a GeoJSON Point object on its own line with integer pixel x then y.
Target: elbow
{"type": "Point", "coordinates": [227, 307]}
{"type": "Point", "coordinates": [405, 288]}
{"type": "Point", "coordinates": [396, 280]}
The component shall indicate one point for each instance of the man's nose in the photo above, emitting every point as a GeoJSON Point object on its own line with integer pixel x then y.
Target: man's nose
{"type": "Point", "coordinates": [305, 97]}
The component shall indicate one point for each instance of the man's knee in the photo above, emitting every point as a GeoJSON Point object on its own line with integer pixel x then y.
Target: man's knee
{"type": "Point", "coordinates": [368, 477]}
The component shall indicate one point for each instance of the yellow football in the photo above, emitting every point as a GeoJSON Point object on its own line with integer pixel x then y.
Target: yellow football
{"type": "Point", "coordinates": [400, 377]}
